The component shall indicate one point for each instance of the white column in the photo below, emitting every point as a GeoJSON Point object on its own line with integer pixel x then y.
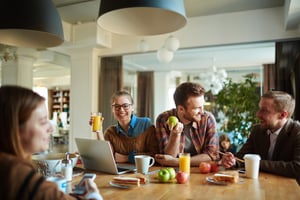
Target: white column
{"type": "Point", "coordinates": [162, 84]}
{"type": "Point", "coordinates": [19, 72]}
{"type": "Point", "coordinates": [83, 93]}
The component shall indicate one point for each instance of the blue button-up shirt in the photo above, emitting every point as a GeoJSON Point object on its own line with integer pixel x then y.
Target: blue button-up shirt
{"type": "Point", "coordinates": [137, 126]}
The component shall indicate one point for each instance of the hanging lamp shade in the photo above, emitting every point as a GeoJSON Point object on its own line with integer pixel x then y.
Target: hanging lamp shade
{"type": "Point", "coordinates": [141, 17]}
{"type": "Point", "coordinates": [32, 23]}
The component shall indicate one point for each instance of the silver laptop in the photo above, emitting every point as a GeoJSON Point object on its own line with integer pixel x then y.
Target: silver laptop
{"type": "Point", "coordinates": [97, 155]}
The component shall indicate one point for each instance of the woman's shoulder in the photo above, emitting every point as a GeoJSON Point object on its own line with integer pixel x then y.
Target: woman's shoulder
{"type": "Point", "coordinates": [143, 119]}
{"type": "Point", "coordinates": [12, 160]}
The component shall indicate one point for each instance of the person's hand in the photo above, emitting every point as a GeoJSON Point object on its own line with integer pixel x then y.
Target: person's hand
{"type": "Point", "coordinates": [166, 160]}
{"type": "Point", "coordinates": [91, 186]}
{"type": "Point", "coordinates": [177, 129]}
{"type": "Point", "coordinates": [121, 158]}
{"type": "Point", "coordinates": [92, 191]}
{"type": "Point", "coordinates": [228, 160]}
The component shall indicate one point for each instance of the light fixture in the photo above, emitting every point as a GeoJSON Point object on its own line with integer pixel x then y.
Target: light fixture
{"type": "Point", "coordinates": [32, 23]}
{"type": "Point", "coordinates": [172, 43]}
{"type": "Point", "coordinates": [164, 55]}
{"type": "Point", "coordinates": [143, 46]}
{"type": "Point", "coordinates": [141, 17]}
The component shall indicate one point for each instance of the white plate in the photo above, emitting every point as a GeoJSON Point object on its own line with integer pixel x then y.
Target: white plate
{"type": "Point", "coordinates": [121, 186]}
{"type": "Point", "coordinates": [210, 179]}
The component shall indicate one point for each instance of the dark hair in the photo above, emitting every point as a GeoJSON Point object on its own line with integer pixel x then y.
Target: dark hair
{"type": "Point", "coordinates": [224, 137]}
{"type": "Point", "coordinates": [122, 93]}
{"type": "Point", "coordinates": [16, 105]}
{"type": "Point", "coordinates": [282, 101]}
{"type": "Point", "coordinates": [186, 90]}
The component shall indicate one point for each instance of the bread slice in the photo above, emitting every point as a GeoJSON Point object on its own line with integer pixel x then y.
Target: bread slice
{"type": "Point", "coordinates": [126, 181]}
{"type": "Point", "coordinates": [142, 177]}
{"type": "Point", "coordinates": [227, 176]}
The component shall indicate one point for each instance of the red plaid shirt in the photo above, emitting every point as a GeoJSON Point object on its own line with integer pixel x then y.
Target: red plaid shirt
{"type": "Point", "coordinates": [203, 133]}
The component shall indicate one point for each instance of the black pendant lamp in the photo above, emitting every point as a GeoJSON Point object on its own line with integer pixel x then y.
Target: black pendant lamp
{"type": "Point", "coordinates": [141, 17]}
{"type": "Point", "coordinates": [30, 23]}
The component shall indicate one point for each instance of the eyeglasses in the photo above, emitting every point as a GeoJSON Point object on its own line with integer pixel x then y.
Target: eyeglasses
{"type": "Point", "coordinates": [118, 107]}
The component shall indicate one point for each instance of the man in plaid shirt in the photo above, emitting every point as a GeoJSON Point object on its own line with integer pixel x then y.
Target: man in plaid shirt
{"type": "Point", "coordinates": [195, 133]}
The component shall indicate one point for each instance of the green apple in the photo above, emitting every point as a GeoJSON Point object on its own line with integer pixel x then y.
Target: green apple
{"type": "Point", "coordinates": [163, 175]}
{"type": "Point", "coordinates": [172, 172]}
{"type": "Point", "coordinates": [172, 121]}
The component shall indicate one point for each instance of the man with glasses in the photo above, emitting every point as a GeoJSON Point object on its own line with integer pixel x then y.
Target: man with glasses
{"type": "Point", "coordinates": [195, 133]}
{"type": "Point", "coordinates": [131, 135]}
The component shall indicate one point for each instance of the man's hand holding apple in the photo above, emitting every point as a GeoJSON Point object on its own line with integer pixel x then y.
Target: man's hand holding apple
{"type": "Point", "coordinates": [174, 125]}
{"type": "Point", "coordinates": [177, 130]}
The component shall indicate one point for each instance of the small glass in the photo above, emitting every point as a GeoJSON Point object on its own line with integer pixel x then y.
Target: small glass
{"type": "Point", "coordinates": [185, 162]}
{"type": "Point", "coordinates": [97, 122]}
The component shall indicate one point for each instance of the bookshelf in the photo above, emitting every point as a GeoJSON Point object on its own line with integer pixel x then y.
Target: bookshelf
{"type": "Point", "coordinates": [58, 101]}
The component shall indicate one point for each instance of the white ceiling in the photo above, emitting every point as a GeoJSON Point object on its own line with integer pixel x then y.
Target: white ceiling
{"type": "Point", "coordinates": [191, 60]}
{"type": "Point", "coordinates": [251, 55]}
{"type": "Point", "coordinates": [80, 11]}
{"type": "Point", "coordinates": [238, 56]}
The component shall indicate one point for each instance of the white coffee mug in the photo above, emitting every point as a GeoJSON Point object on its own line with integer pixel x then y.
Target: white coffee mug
{"type": "Point", "coordinates": [143, 162]}
{"type": "Point", "coordinates": [252, 165]}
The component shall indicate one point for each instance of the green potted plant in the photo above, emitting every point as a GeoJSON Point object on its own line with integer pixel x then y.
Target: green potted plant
{"type": "Point", "coordinates": [239, 103]}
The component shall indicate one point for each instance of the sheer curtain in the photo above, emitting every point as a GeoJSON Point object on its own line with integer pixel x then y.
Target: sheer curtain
{"type": "Point", "coordinates": [145, 91]}
{"type": "Point", "coordinates": [111, 80]}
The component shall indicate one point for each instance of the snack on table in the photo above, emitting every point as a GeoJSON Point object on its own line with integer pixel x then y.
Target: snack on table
{"type": "Point", "coordinates": [142, 177]}
{"type": "Point", "coordinates": [126, 181]}
{"type": "Point", "coordinates": [130, 180]}
{"type": "Point", "coordinates": [227, 176]}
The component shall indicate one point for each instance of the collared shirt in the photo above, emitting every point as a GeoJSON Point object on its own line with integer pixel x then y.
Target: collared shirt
{"type": "Point", "coordinates": [137, 126]}
{"type": "Point", "coordinates": [203, 134]}
{"type": "Point", "coordinates": [273, 139]}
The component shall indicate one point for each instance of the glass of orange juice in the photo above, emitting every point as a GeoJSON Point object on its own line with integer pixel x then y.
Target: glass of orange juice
{"type": "Point", "coordinates": [185, 162]}
{"type": "Point", "coordinates": [97, 122]}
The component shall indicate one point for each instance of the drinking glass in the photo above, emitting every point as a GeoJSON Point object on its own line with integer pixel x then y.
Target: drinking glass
{"type": "Point", "coordinates": [185, 162]}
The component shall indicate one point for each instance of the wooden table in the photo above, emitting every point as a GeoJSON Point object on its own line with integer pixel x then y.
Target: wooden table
{"type": "Point", "coordinates": [267, 187]}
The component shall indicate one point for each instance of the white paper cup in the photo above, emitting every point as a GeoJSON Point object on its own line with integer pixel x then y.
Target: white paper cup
{"type": "Point", "coordinates": [252, 165]}
{"type": "Point", "coordinates": [143, 162]}
{"type": "Point", "coordinates": [60, 182]}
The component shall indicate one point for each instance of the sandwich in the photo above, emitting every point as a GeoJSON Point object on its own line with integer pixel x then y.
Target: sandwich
{"type": "Point", "coordinates": [126, 181]}
{"type": "Point", "coordinates": [135, 180]}
{"type": "Point", "coordinates": [227, 177]}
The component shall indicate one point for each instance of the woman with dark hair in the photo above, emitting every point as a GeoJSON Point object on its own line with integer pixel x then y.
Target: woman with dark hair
{"type": "Point", "coordinates": [24, 130]}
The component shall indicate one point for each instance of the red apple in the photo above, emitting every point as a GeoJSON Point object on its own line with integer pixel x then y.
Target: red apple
{"type": "Point", "coordinates": [182, 177]}
{"type": "Point", "coordinates": [204, 167]}
{"type": "Point", "coordinates": [214, 167]}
